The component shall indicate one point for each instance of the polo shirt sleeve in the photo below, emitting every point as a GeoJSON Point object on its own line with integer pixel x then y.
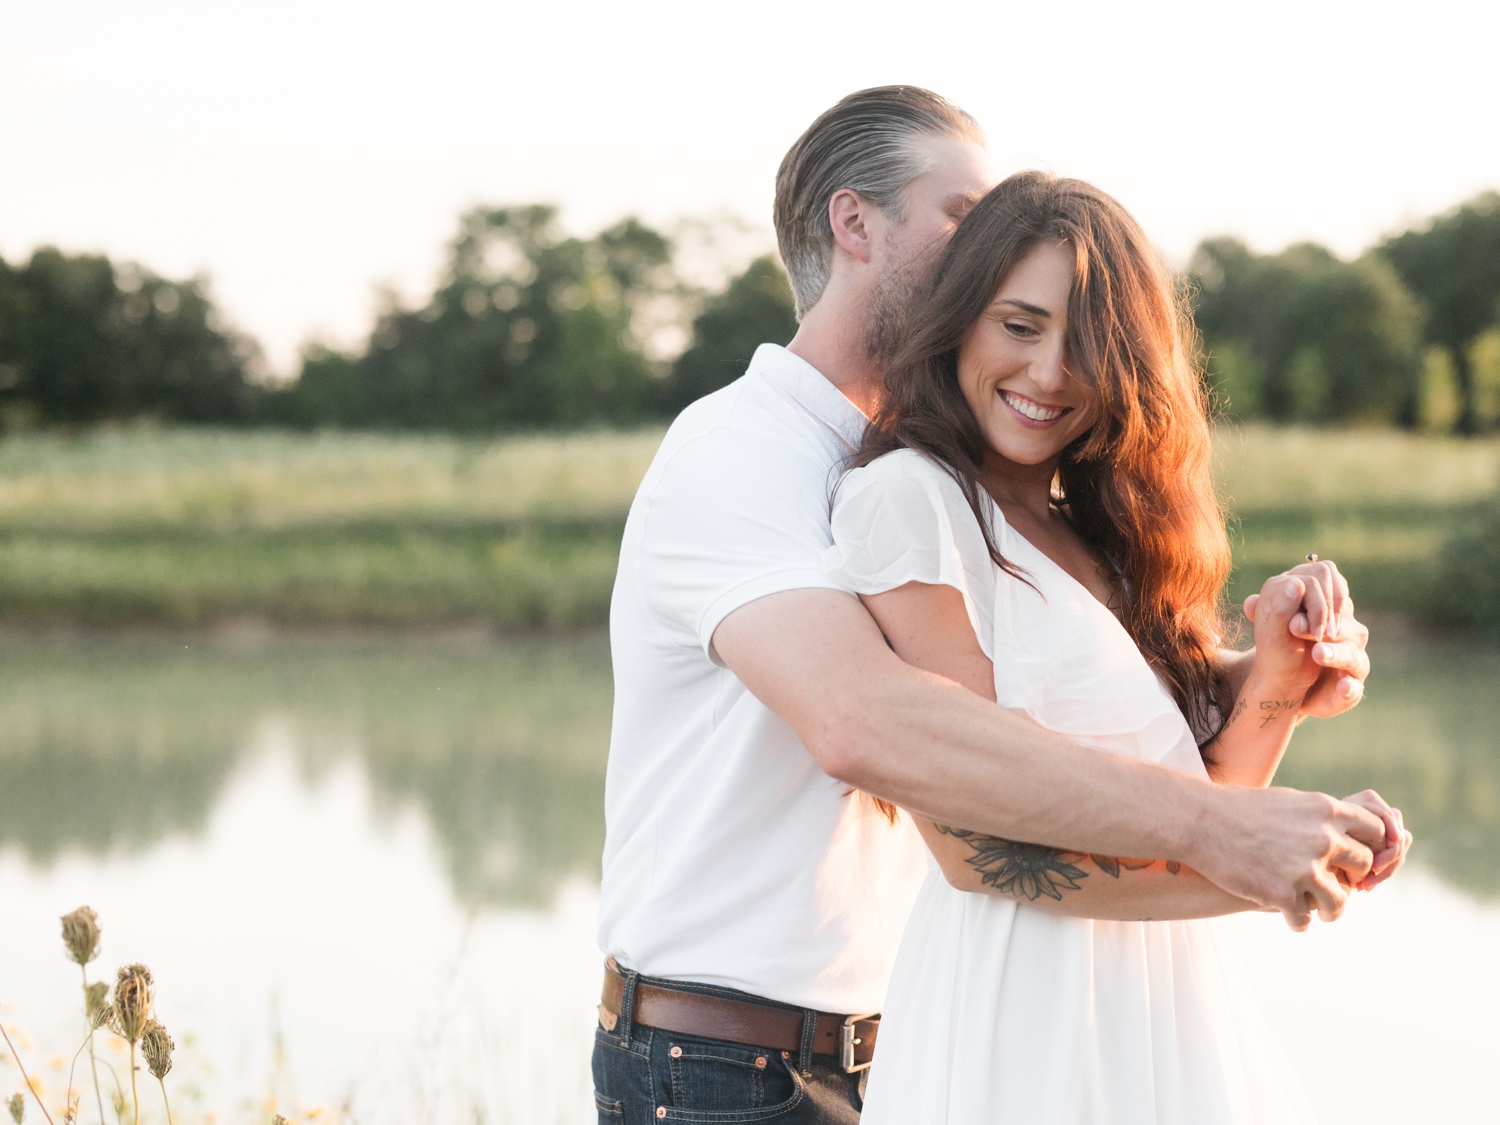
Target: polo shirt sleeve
{"type": "Point", "coordinates": [734, 516]}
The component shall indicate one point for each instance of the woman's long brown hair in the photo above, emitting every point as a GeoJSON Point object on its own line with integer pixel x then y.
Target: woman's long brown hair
{"type": "Point", "coordinates": [1137, 487]}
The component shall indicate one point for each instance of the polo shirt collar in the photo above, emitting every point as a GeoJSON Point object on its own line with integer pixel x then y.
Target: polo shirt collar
{"type": "Point", "coordinates": [811, 388]}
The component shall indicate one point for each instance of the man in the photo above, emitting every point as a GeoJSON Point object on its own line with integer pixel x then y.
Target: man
{"type": "Point", "coordinates": [753, 893]}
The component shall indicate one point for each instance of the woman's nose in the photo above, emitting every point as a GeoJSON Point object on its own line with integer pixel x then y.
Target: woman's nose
{"type": "Point", "coordinates": [1051, 371]}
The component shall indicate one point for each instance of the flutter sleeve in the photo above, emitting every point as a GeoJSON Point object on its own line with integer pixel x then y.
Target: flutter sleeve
{"type": "Point", "coordinates": [903, 519]}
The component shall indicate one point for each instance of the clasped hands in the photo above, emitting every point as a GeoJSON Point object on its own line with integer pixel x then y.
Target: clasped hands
{"type": "Point", "coordinates": [1319, 657]}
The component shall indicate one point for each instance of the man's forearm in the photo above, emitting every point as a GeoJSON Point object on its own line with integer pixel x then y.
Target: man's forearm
{"type": "Point", "coordinates": [817, 660]}
{"type": "Point", "coordinates": [939, 750]}
{"type": "Point", "coordinates": [932, 746]}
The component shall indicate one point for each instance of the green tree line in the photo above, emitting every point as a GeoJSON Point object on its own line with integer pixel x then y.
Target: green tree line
{"type": "Point", "coordinates": [1408, 333]}
{"type": "Point", "coordinates": [84, 340]}
{"type": "Point", "coordinates": [530, 327]}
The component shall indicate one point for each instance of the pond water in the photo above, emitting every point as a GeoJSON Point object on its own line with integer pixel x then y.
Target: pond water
{"type": "Point", "coordinates": [364, 874]}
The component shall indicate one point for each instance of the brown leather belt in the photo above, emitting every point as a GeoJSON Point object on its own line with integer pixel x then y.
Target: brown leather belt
{"type": "Point", "coordinates": [850, 1039]}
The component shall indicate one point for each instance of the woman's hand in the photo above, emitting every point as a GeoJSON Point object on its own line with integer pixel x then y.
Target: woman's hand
{"type": "Point", "coordinates": [1388, 860]}
{"type": "Point", "coordinates": [1249, 746]}
{"type": "Point", "coordinates": [1286, 666]}
{"type": "Point", "coordinates": [1326, 618]}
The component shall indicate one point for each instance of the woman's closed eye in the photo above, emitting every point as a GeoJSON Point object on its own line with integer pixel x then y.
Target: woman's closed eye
{"type": "Point", "coordinates": [1021, 330]}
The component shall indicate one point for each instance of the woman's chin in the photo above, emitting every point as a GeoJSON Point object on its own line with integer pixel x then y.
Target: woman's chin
{"type": "Point", "coordinates": [1030, 449]}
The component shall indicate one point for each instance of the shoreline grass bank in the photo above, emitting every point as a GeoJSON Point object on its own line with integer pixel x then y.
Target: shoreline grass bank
{"type": "Point", "coordinates": [192, 529]}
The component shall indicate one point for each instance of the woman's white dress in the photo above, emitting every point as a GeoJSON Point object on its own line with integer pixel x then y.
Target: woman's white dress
{"type": "Point", "coordinates": [1000, 1012]}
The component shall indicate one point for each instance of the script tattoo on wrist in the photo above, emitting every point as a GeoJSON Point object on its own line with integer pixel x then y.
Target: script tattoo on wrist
{"type": "Point", "coordinates": [1270, 709]}
{"type": "Point", "coordinates": [1030, 871]}
{"type": "Point", "coordinates": [1239, 709]}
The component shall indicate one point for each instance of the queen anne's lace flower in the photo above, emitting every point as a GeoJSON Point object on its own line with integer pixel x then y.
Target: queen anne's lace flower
{"type": "Point", "coordinates": [156, 1046]}
{"type": "Point", "coordinates": [80, 931]}
{"type": "Point", "coordinates": [133, 995]}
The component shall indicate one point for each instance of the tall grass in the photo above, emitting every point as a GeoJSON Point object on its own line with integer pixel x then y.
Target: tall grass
{"type": "Point", "coordinates": [184, 528]}
{"type": "Point", "coordinates": [190, 527]}
{"type": "Point", "coordinates": [1265, 468]}
{"type": "Point", "coordinates": [1380, 502]}
{"type": "Point", "coordinates": [216, 482]}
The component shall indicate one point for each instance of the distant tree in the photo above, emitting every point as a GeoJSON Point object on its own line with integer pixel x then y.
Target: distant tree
{"type": "Point", "coordinates": [329, 391]}
{"type": "Point", "coordinates": [528, 328]}
{"type": "Point", "coordinates": [84, 340]}
{"type": "Point", "coordinates": [1304, 336]}
{"type": "Point", "coordinates": [756, 308]}
{"type": "Point", "coordinates": [1453, 265]}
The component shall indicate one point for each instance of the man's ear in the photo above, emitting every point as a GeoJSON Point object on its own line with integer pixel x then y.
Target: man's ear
{"type": "Point", "coordinates": [851, 217]}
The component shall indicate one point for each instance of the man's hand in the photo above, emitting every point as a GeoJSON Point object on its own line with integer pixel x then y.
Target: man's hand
{"type": "Point", "coordinates": [1327, 618]}
{"type": "Point", "coordinates": [1295, 852]}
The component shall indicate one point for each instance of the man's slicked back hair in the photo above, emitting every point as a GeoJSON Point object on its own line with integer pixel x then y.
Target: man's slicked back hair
{"type": "Point", "coordinates": [865, 143]}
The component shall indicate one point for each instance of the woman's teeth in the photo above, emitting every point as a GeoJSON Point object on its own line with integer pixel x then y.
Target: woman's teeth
{"type": "Point", "coordinates": [1032, 410]}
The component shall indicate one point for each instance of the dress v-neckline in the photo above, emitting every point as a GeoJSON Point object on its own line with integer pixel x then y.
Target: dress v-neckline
{"type": "Point", "coordinates": [1054, 564]}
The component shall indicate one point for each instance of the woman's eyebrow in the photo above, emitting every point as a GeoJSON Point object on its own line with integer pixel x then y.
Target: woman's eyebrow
{"type": "Point", "coordinates": [1034, 310]}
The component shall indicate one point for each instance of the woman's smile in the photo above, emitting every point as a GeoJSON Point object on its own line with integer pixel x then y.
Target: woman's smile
{"type": "Point", "coordinates": [1032, 413]}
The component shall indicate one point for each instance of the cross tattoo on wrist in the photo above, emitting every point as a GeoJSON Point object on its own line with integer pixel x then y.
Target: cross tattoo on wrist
{"type": "Point", "coordinates": [1271, 708]}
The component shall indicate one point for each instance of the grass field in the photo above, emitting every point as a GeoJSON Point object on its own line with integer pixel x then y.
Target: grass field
{"type": "Point", "coordinates": [1380, 503]}
{"type": "Point", "coordinates": [188, 528]}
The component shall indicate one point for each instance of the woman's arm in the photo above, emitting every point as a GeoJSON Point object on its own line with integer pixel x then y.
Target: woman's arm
{"type": "Point", "coordinates": [1319, 659]}
{"type": "Point", "coordinates": [1255, 736]}
{"type": "Point", "coordinates": [1074, 883]}
{"type": "Point", "coordinates": [929, 627]}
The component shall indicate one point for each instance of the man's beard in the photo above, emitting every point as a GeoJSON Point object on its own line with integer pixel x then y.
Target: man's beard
{"type": "Point", "coordinates": [891, 304]}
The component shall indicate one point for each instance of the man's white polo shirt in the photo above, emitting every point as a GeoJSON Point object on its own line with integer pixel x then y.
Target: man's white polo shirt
{"type": "Point", "coordinates": [730, 857]}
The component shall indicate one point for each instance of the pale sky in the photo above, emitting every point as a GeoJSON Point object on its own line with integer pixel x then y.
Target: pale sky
{"type": "Point", "coordinates": [302, 153]}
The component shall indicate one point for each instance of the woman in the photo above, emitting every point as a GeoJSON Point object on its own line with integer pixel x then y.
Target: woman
{"type": "Point", "coordinates": [1032, 515]}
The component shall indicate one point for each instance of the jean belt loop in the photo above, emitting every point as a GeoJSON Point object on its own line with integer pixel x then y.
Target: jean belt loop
{"type": "Point", "coordinates": [809, 1039]}
{"type": "Point", "coordinates": [627, 1006]}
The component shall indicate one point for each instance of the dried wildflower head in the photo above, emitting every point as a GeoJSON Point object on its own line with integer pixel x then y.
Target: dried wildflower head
{"type": "Point", "coordinates": [17, 1106]}
{"type": "Point", "coordinates": [81, 934]}
{"type": "Point", "coordinates": [133, 992]}
{"type": "Point", "coordinates": [96, 1002]}
{"type": "Point", "coordinates": [157, 1046]}
{"type": "Point", "coordinates": [277, 1119]}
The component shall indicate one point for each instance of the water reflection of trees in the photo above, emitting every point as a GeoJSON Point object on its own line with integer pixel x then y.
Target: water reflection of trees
{"type": "Point", "coordinates": [114, 746]}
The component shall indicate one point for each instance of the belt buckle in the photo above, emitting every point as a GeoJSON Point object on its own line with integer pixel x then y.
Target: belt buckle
{"type": "Point", "coordinates": [847, 1043]}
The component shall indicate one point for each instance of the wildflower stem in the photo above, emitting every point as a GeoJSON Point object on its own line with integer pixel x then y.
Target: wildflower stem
{"type": "Point", "coordinates": [163, 1083]}
{"type": "Point", "coordinates": [117, 1103]}
{"type": "Point", "coordinates": [135, 1096]}
{"type": "Point", "coordinates": [93, 1064]}
{"type": "Point", "coordinates": [20, 1066]}
{"type": "Point", "coordinates": [70, 1112]}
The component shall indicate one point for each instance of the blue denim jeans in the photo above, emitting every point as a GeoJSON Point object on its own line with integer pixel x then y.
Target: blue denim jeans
{"type": "Point", "coordinates": [643, 1076]}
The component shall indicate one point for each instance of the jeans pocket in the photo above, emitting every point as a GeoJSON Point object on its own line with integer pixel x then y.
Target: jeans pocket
{"type": "Point", "coordinates": [622, 1080]}
{"type": "Point", "coordinates": [714, 1081]}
